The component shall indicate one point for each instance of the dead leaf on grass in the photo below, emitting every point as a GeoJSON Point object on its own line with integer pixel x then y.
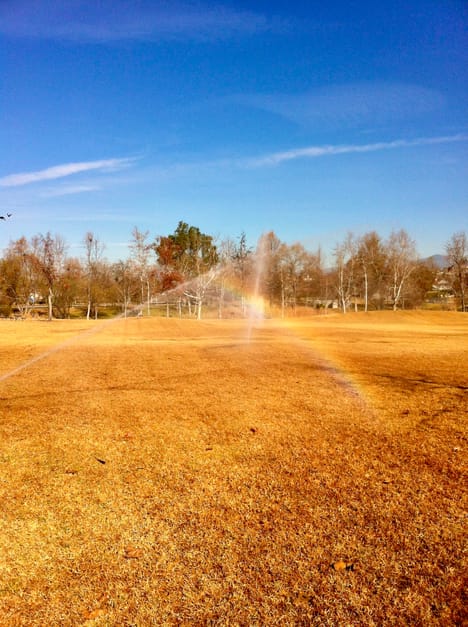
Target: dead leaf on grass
{"type": "Point", "coordinates": [341, 565]}
{"type": "Point", "coordinates": [94, 614]}
{"type": "Point", "coordinates": [132, 553]}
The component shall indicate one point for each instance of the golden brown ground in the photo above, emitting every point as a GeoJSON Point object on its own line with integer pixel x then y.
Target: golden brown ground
{"type": "Point", "coordinates": [168, 472]}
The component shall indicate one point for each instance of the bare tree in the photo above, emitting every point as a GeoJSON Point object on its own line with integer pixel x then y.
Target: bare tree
{"type": "Point", "coordinates": [401, 259]}
{"type": "Point", "coordinates": [68, 287]}
{"type": "Point", "coordinates": [312, 288]}
{"type": "Point", "coordinates": [267, 272]}
{"type": "Point", "coordinates": [125, 283]}
{"type": "Point", "coordinates": [345, 265]}
{"type": "Point", "coordinates": [295, 263]}
{"type": "Point", "coordinates": [241, 259]}
{"type": "Point", "coordinates": [226, 252]}
{"type": "Point", "coordinates": [49, 257]}
{"type": "Point", "coordinates": [141, 251]}
{"type": "Point", "coordinates": [94, 251]}
{"type": "Point", "coordinates": [457, 253]}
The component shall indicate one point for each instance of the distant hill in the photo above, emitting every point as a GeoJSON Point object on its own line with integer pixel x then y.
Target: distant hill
{"type": "Point", "coordinates": [439, 261]}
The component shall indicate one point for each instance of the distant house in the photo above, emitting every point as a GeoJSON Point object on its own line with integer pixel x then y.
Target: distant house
{"type": "Point", "coordinates": [446, 287]}
{"type": "Point", "coordinates": [442, 284]}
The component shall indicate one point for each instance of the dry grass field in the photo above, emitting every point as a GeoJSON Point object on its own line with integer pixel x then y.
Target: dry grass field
{"type": "Point", "coordinates": [170, 472]}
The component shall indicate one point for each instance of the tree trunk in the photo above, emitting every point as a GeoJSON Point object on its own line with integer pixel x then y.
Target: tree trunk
{"type": "Point", "coordinates": [366, 288]}
{"type": "Point", "coordinates": [462, 291]}
{"type": "Point", "coordinates": [221, 301]}
{"type": "Point", "coordinates": [49, 304]}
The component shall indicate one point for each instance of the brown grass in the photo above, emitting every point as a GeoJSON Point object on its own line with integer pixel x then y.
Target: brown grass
{"type": "Point", "coordinates": [166, 472]}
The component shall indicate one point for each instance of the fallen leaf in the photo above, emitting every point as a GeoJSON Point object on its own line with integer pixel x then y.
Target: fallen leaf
{"type": "Point", "coordinates": [341, 565]}
{"type": "Point", "coordinates": [132, 553]}
{"type": "Point", "coordinates": [95, 614]}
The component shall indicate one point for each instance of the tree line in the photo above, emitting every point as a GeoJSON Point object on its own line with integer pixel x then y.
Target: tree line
{"type": "Point", "coordinates": [188, 269]}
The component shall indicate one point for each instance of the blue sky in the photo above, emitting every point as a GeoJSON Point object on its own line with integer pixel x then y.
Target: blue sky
{"type": "Point", "coordinates": [310, 119]}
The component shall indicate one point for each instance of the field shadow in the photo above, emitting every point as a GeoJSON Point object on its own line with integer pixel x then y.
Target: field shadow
{"type": "Point", "coordinates": [414, 382]}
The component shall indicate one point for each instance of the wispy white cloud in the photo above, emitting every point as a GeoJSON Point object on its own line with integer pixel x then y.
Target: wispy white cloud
{"type": "Point", "coordinates": [312, 152]}
{"type": "Point", "coordinates": [69, 190]}
{"type": "Point", "coordinates": [66, 169]}
{"type": "Point", "coordinates": [115, 20]}
{"type": "Point", "coordinates": [350, 105]}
